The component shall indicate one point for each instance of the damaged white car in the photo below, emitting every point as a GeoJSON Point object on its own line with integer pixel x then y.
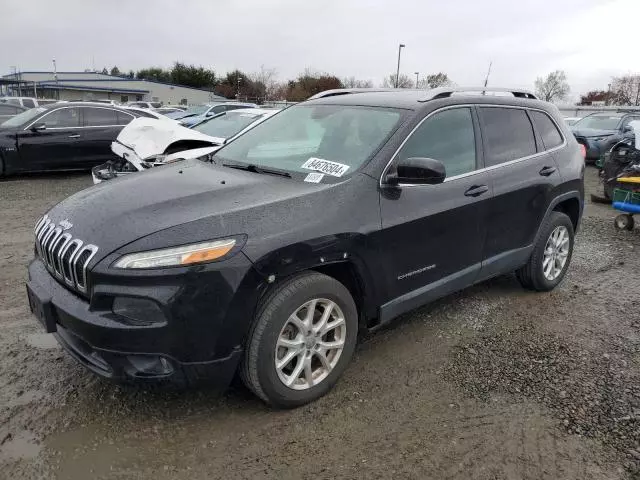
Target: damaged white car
{"type": "Point", "coordinates": [145, 143]}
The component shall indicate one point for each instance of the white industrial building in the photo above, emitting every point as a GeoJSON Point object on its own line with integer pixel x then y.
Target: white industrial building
{"type": "Point", "coordinates": [99, 86]}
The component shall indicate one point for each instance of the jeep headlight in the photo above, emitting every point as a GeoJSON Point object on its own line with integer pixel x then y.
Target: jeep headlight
{"type": "Point", "coordinates": [178, 256]}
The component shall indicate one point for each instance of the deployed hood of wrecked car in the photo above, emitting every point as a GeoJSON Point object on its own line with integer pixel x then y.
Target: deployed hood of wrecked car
{"type": "Point", "coordinates": [148, 137]}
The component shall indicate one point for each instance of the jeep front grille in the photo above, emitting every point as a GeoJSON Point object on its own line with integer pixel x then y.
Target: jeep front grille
{"type": "Point", "coordinates": [65, 257]}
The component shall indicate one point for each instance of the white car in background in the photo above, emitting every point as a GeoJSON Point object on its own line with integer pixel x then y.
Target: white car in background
{"type": "Point", "coordinates": [148, 113]}
{"type": "Point", "coordinates": [145, 143]}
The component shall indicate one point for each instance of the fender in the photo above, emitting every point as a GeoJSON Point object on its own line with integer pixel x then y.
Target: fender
{"type": "Point", "coordinates": [324, 253]}
{"type": "Point", "coordinates": [554, 203]}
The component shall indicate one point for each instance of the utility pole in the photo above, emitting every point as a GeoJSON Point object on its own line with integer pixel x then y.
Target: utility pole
{"type": "Point", "coordinates": [400, 47]}
{"type": "Point", "coordinates": [238, 94]}
{"type": "Point", "coordinates": [608, 101]}
{"type": "Point", "coordinates": [417, 73]}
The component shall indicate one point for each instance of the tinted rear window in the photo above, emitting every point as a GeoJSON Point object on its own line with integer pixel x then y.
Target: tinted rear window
{"type": "Point", "coordinates": [551, 137]}
{"type": "Point", "coordinates": [95, 117]}
{"type": "Point", "coordinates": [124, 118]}
{"type": "Point", "coordinates": [509, 134]}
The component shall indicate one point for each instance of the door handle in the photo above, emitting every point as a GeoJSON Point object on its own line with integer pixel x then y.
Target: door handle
{"type": "Point", "coordinates": [546, 171]}
{"type": "Point", "coordinates": [75, 135]}
{"type": "Point", "coordinates": [476, 190]}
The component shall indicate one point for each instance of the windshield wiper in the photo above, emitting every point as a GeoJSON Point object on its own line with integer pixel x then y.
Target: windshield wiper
{"type": "Point", "coordinates": [257, 169]}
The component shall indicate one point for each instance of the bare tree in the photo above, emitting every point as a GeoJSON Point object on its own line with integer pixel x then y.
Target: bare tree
{"type": "Point", "coordinates": [267, 77]}
{"type": "Point", "coordinates": [553, 87]}
{"type": "Point", "coordinates": [625, 90]}
{"type": "Point", "coordinates": [435, 80]}
{"type": "Point", "coordinates": [404, 81]}
{"type": "Point", "coordinates": [353, 82]}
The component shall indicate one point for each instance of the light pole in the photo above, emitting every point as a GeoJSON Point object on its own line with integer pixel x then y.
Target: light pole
{"type": "Point", "coordinates": [239, 80]}
{"type": "Point", "coordinates": [55, 78]}
{"type": "Point", "coordinates": [400, 47]}
{"type": "Point", "coordinates": [417, 73]}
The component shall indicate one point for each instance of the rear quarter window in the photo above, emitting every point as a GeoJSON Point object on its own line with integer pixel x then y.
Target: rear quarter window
{"type": "Point", "coordinates": [508, 134]}
{"type": "Point", "coordinates": [551, 136]}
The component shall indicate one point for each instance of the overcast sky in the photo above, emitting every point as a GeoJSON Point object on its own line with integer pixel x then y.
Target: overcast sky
{"type": "Point", "coordinates": [590, 39]}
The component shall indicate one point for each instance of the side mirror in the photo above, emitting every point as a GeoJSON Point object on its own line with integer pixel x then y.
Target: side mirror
{"type": "Point", "coordinates": [628, 129]}
{"type": "Point", "coordinates": [417, 171]}
{"type": "Point", "coordinates": [38, 127]}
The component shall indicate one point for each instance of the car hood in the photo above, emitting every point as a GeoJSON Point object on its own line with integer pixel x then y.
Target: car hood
{"type": "Point", "coordinates": [148, 137]}
{"type": "Point", "coordinates": [592, 132]}
{"type": "Point", "coordinates": [196, 198]}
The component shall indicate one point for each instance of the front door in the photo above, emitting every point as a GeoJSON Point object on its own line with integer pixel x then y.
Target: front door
{"type": "Point", "coordinates": [55, 146]}
{"type": "Point", "coordinates": [432, 235]}
{"type": "Point", "coordinates": [524, 174]}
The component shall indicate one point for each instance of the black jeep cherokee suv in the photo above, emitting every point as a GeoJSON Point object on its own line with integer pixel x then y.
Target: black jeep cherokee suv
{"type": "Point", "coordinates": [336, 215]}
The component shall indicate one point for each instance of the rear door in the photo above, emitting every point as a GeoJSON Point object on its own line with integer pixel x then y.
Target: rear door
{"type": "Point", "coordinates": [101, 127]}
{"type": "Point", "coordinates": [524, 174]}
{"type": "Point", "coordinates": [55, 146]}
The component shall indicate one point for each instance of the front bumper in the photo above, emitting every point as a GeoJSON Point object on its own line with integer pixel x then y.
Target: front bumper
{"type": "Point", "coordinates": [193, 344]}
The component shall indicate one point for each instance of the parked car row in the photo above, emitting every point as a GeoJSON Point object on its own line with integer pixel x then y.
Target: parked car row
{"type": "Point", "coordinates": [78, 135]}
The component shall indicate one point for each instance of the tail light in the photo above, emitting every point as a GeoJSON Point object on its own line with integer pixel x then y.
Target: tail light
{"type": "Point", "coordinates": [583, 150]}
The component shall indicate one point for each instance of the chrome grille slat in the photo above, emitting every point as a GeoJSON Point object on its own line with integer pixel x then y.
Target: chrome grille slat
{"type": "Point", "coordinates": [65, 257]}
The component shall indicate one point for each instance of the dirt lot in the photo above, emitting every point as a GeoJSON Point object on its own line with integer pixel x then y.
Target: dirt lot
{"type": "Point", "coordinates": [491, 383]}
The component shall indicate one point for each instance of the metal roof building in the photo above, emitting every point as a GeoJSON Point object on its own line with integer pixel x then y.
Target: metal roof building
{"type": "Point", "coordinates": [100, 86]}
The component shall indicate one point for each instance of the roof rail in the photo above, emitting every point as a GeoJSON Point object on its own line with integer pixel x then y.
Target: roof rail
{"type": "Point", "coordinates": [444, 92]}
{"type": "Point", "coordinates": [433, 94]}
{"type": "Point", "coordinates": [346, 91]}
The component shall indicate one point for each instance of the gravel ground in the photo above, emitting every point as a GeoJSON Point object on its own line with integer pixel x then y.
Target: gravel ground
{"type": "Point", "coordinates": [491, 383]}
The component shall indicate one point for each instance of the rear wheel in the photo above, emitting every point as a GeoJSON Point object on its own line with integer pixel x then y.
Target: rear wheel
{"type": "Point", "coordinates": [624, 222]}
{"type": "Point", "coordinates": [551, 255]}
{"type": "Point", "coordinates": [302, 340]}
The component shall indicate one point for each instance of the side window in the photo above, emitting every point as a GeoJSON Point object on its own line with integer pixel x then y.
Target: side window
{"type": "Point", "coordinates": [27, 102]}
{"type": "Point", "coordinates": [124, 118]}
{"type": "Point", "coordinates": [447, 136]}
{"type": "Point", "coordinates": [99, 117]}
{"type": "Point", "coordinates": [509, 134]}
{"type": "Point", "coordinates": [551, 137]}
{"type": "Point", "coordinates": [233, 107]}
{"type": "Point", "coordinates": [7, 109]}
{"type": "Point", "coordinates": [217, 110]}
{"type": "Point", "coordinates": [62, 118]}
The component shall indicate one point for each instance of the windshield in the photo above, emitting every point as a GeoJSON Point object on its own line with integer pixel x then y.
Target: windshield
{"type": "Point", "coordinates": [24, 117]}
{"type": "Point", "coordinates": [228, 124]}
{"type": "Point", "coordinates": [332, 139]}
{"type": "Point", "coordinates": [196, 110]}
{"type": "Point", "coordinates": [599, 122]}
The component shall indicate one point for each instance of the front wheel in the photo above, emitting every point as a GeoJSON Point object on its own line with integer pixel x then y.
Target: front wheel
{"type": "Point", "coordinates": [302, 340]}
{"type": "Point", "coordinates": [551, 254]}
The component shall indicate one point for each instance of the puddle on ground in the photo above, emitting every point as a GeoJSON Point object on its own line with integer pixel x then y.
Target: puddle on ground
{"type": "Point", "coordinates": [42, 341]}
{"type": "Point", "coordinates": [20, 446]}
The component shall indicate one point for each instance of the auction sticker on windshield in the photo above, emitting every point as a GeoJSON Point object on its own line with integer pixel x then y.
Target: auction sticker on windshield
{"type": "Point", "coordinates": [334, 169]}
{"type": "Point", "coordinates": [314, 177]}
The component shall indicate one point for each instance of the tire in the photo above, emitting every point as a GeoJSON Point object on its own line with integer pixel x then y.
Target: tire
{"type": "Point", "coordinates": [624, 222]}
{"type": "Point", "coordinates": [533, 275]}
{"type": "Point", "coordinates": [1, 166]}
{"type": "Point", "coordinates": [273, 323]}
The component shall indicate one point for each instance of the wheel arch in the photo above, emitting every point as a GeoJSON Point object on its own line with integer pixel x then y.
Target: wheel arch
{"type": "Point", "coordinates": [566, 203]}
